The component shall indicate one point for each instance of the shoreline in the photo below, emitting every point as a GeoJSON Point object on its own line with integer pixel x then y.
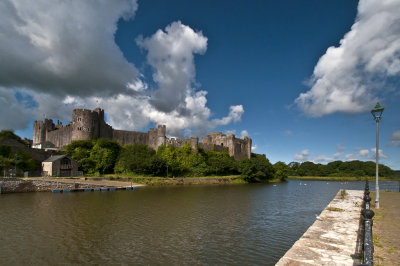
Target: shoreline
{"type": "Point", "coordinates": [341, 178]}
{"type": "Point", "coordinates": [40, 184]}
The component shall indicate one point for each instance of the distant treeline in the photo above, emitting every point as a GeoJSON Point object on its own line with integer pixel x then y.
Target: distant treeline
{"type": "Point", "coordinates": [340, 169]}
{"type": "Point", "coordinates": [104, 156]}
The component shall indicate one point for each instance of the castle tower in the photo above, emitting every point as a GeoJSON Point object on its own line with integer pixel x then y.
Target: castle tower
{"type": "Point", "coordinates": [161, 138]}
{"type": "Point", "coordinates": [40, 130]}
{"type": "Point", "coordinates": [85, 123]}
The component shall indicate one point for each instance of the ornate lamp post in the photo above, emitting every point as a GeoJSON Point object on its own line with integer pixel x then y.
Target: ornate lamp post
{"type": "Point", "coordinates": [377, 114]}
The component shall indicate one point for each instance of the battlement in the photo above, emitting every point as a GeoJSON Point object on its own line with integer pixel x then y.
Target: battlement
{"type": "Point", "coordinates": [90, 124]}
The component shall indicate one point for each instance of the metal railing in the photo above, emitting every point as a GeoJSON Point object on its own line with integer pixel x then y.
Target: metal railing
{"type": "Point", "coordinates": [367, 214]}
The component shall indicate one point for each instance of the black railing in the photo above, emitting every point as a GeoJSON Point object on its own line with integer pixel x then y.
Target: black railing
{"type": "Point", "coordinates": [367, 214]}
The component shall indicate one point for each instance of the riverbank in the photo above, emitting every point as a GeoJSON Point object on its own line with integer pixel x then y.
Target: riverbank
{"type": "Point", "coordinates": [334, 238]}
{"type": "Point", "coordinates": [16, 185]}
{"type": "Point", "coordinates": [341, 178]}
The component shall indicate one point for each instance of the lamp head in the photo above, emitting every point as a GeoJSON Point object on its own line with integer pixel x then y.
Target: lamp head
{"type": "Point", "coordinates": [377, 112]}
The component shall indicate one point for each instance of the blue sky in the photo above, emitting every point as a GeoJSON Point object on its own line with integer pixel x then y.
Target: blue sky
{"type": "Point", "coordinates": [298, 77]}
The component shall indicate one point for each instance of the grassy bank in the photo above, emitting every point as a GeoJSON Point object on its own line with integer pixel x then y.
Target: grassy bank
{"type": "Point", "coordinates": [198, 180]}
{"type": "Point", "coordinates": [342, 178]}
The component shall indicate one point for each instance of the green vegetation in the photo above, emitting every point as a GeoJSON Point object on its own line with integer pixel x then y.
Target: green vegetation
{"type": "Point", "coordinates": [338, 170]}
{"type": "Point", "coordinates": [8, 157]}
{"type": "Point", "coordinates": [105, 156]}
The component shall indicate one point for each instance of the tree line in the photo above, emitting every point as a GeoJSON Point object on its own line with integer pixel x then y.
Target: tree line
{"type": "Point", "coordinates": [340, 169]}
{"type": "Point", "coordinates": [105, 156]}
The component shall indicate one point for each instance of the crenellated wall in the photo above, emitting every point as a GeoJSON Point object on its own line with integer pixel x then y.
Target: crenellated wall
{"type": "Point", "coordinates": [90, 124]}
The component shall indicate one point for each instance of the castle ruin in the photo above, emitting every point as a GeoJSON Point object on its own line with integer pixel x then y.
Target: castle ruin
{"type": "Point", "coordinates": [90, 124]}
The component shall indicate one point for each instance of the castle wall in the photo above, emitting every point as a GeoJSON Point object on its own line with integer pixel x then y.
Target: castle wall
{"type": "Point", "coordinates": [130, 137]}
{"type": "Point", "coordinates": [60, 137]}
{"type": "Point", "coordinates": [238, 148]}
{"type": "Point", "coordinates": [88, 124]}
{"type": "Point", "coordinates": [210, 147]}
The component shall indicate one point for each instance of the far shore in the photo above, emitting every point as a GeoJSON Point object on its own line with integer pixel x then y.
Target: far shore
{"type": "Point", "coordinates": [342, 178]}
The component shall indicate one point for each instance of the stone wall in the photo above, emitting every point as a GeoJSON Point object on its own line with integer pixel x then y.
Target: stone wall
{"type": "Point", "coordinates": [130, 137]}
{"type": "Point", "coordinates": [60, 137]}
{"type": "Point", "coordinates": [15, 185]}
{"type": "Point", "coordinates": [88, 124]}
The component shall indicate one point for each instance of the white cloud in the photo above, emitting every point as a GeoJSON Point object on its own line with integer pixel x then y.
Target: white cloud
{"type": "Point", "coordinates": [364, 153]}
{"type": "Point", "coordinates": [302, 156]}
{"type": "Point", "coordinates": [253, 148]}
{"type": "Point", "coordinates": [350, 157]}
{"type": "Point", "coordinates": [347, 78]}
{"type": "Point", "coordinates": [230, 132]}
{"type": "Point", "coordinates": [381, 154]}
{"type": "Point", "coordinates": [395, 139]}
{"type": "Point", "coordinates": [70, 60]}
{"type": "Point", "coordinates": [322, 158]}
{"type": "Point", "coordinates": [64, 47]}
{"type": "Point", "coordinates": [244, 133]}
{"type": "Point", "coordinates": [337, 155]}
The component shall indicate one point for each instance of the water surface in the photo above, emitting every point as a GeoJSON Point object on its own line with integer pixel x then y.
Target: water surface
{"type": "Point", "coordinates": [227, 224]}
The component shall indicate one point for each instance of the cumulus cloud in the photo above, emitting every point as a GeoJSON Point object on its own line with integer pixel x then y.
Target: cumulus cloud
{"type": "Point", "coordinates": [176, 102]}
{"type": "Point", "coordinates": [322, 159]}
{"type": "Point", "coordinates": [337, 155]}
{"type": "Point", "coordinates": [348, 78]}
{"type": "Point", "coordinates": [350, 157]}
{"type": "Point", "coordinates": [253, 148]}
{"type": "Point", "coordinates": [381, 154]}
{"type": "Point", "coordinates": [364, 153]}
{"type": "Point", "coordinates": [70, 60]}
{"type": "Point", "coordinates": [302, 156]}
{"type": "Point", "coordinates": [395, 139]}
{"type": "Point", "coordinates": [64, 47]}
{"type": "Point", "coordinates": [244, 133]}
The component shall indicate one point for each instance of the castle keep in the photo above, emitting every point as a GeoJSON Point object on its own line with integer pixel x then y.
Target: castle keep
{"type": "Point", "coordinates": [90, 124]}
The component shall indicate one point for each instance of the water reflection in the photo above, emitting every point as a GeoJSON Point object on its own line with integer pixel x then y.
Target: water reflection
{"type": "Point", "coordinates": [233, 224]}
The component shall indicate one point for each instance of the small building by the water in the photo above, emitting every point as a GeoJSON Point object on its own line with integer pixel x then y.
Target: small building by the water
{"type": "Point", "coordinates": [59, 165]}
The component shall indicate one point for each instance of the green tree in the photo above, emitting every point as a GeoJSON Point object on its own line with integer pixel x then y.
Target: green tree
{"type": "Point", "coordinates": [256, 169]}
{"type": "Point", "coordinates": [281, 170]}
{"type": "Point", "coordinates": [80, 151]}
{"type": "Point", "coordinates": [136, 158]}
{"type": "Point", "coordinates": [105, 153]}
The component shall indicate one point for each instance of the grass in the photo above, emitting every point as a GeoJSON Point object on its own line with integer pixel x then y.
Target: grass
{"type": "Point", "coordinates": [342, 178]}
{"type": "Point", "coordinates": [333, 209]}
{"type": "Point", "coordinates": [190, 180]}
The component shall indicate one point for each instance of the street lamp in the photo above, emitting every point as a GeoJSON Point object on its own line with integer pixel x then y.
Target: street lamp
{"type": "Point", "coordinates": [377, 114]}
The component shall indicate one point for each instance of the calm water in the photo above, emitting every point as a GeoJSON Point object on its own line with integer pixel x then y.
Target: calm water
{"type": "Point", "coordinates": [233, 224]}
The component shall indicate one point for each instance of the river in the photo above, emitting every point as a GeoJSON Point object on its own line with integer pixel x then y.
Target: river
{"type": "Point", "coordinates": [250, 224]}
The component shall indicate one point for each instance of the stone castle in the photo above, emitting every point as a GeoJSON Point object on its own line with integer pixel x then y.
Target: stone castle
{"type": "Point", "coordinates": [90, 124]}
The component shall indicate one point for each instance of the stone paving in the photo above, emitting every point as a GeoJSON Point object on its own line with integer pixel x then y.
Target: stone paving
{"type": "Point", "coordinates": [333, 239]}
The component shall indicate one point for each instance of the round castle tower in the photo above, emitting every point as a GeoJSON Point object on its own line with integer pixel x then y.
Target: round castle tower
{"type": "Point", "coordinates": [85, 123]}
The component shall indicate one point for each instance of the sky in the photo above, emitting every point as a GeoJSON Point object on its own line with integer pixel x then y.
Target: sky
{"type": "Point", "coordinates": [298, 77]}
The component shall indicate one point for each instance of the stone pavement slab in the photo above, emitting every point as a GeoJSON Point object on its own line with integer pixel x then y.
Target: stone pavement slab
{"type": "Point", "coordinates": [333, 239]}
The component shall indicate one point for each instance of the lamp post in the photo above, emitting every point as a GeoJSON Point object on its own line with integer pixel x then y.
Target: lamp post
{"type": "Point", "coordinates": [377, 114]}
